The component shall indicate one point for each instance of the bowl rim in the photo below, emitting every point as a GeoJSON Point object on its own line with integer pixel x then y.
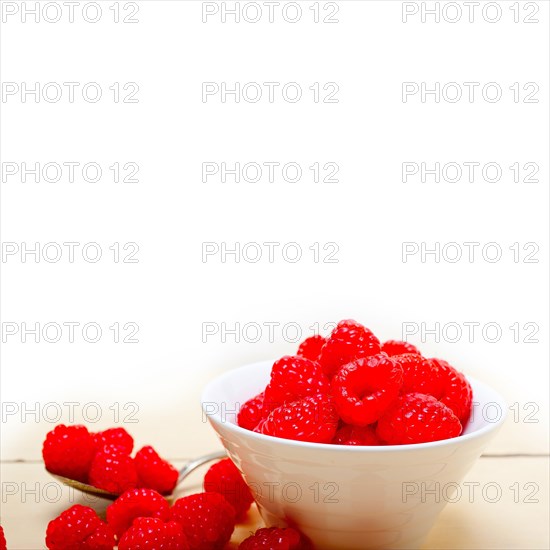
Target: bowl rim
{"type": "Point", "coordinates": [216, 417]}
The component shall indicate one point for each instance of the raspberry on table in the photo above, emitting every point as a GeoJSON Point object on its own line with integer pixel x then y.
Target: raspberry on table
{"type": "Point", "coordinates": [80, 528]}
{"type": "Point", "coordinates": [224, 478]}
{"type": "Point", "coordinates": [154, 472]}
{"type": "Point", "coordinates": [274, 538]}
{"type": "Point", "coordinates": [356, 435]}
{"type": "Point", "coordinates": [2, 539]}
{"type": "Point", "coordinates": [365, 388]}
{"type": "Point", "coordinates": [398, 347]}
{"type": "Point", "coordinates": [348, 341]}
{"type": "Point", "coordinates": [153, 534]}
{"type": "Point", "coordinates": [293, 378]}
{"type": "Point", "coordinates": [417, 418]}
{"type": "Point", "coordinates": [68, 451]}
{"type": "Point", "coordinates": [207, 520]}
{"type": "Point", "coordinates": [114, 436]}
{"type": "Point", "coordinates": [310, 348]}
{"type": "Point", "coordinates": [419, 374]}
{"type": "Point", "coordinates": [251, 413]}
{"type": "Point", "coordinates": [456, 391]}
{"type": "Point", "coordinates": [113, 470]}
{"type": "Point", "coordinates": [134, 504]}
{"type": "Point", "coordinates": [311, 419]}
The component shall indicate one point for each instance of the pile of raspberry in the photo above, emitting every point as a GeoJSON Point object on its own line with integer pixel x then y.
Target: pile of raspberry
{"type": "Point", "coordinates": [142, 519]}
{"type": "Point", "coordinates": [104, 460]}
{"type": "Point", "coordinates": [350, 389]}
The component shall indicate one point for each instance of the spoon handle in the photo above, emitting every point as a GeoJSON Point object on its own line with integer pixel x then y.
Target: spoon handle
{"type": "Point", "coordinates": [194, 464]}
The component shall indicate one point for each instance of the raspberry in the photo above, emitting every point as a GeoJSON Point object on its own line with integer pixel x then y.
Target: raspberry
{"type": "Point", "coordinates": [154, 472]}
{"type": "Point", "coordinates": [398, 347]}
{"type": "Point", "coordinates": [364, 389]}
{"type": "Point", "coordinates": [347, 342]}
{"type": "Point", "coordinates": [310, 348]}
{"type": "Point", "coordinates": [79, 528]}
{"type": "Point", "coordinates": [456, 391]}
{"type": "Point", "coordinates": [207, 520]}
{"type": "Point", "coordinates": [2, 539]}
{"type": "Point", "coordinates": [310, 419]}
{"type": "Point", "coordinates": [153, 534]}
{"type": "Point", "coordinates": [251, 413]}
{"type": "Point", "coordinates": [419, 374]}
{"type": "Point", "coordinates": [417, 418]}
{"type": "Point", "coordinates": [133, 504]}
{"type": "Point", "coordinates": [355, 435]}
{"type": "Point", "coordinates": [68, 451]}
{"type": "Point", "coordinates": [274, 538]}
{"type": "Point", "coordinates": [293, 378]}
{"type": "Point", "coordinates": [224, 478]}
{"type": "Point", "coordinates": [114, 436]}
{"type": "Point", "coordinates": [113, 470]}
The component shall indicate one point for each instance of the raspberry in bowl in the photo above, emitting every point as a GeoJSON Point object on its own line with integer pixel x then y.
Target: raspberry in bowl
{"type": "Point", "coordinates": [345, 440]}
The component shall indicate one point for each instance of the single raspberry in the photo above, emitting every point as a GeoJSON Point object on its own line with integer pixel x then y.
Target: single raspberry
{"type": "Point", "coordinates": [153, 534]}
{"type": "Point", "coordinates": [274, 538]}
{"type": "Point", "coordinates": [293, 378]}
{"type": "Point", "coordinates": [420, 375]}
{"type": "Point", "coordinates": [68, 451]}
{"type": "Point", "coordinates": [398, 347]}
{"type": "Point", "coordinates": [207, 519]}
{"type": "Point", "coordinates": [356, 435]}
{"type": "Point", "coordinates": [456, 391]}
{"type": "Point", "coordinates": [312, 419]}
{"type": "Point", "coordinates": [79, 528]}
{"type": "Point", "coordinates": [134, 504]}
{"type": "Point", "coordinates": [113, 470]}
{"type": "Point", "coordinates": [251, 413]}
{"type": "Point", "coordinates": [2, 539]}
{"type": "Point", "coordinates": [224, 478]}
{"type": "Point", "coordinates": [417, 418]}
{"type": "Point", "coordinates": [348, 341]}
{"type": "Point", "coordinates": [114, 436]}
{"type": "Point", "coordinates": [310, 348]}
{"type": "Point", "coordinates": [364, 389]}
{"type": "Point", "coordinates": [155, 472]}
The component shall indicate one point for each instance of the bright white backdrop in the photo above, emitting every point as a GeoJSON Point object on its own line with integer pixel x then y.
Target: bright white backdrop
{"type": "Point", "coordinates": [182, 302]}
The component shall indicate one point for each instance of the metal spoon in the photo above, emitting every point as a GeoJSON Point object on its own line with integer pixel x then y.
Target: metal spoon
{"type": "Point", "coordinates": [183, 473]}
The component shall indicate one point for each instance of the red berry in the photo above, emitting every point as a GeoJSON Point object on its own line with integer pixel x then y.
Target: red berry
{"type": "Point", "coordinates": [2, 539]}
{"type": "Point", "coordinates": [134, 504]}
{"type": "Point", "coordinates": [251, 413]}
{"type": "Point", "coordinates": [347, 342]}
{"type": "Point", "coordinates": [417, 418]}
{"type": "Point", "coordinates": [356, 435]}
{"type": "Point", "coordinates": [68, 451]}
{"type": "Point", "coordinates": [114, 436]}
{"type": "Point", "coordinates": [310, 419]}
{"type": "Point", "coordinates": [113, 470]}
{"type": "Point", "coordinates": [274, 538]}
{"type": "Point", "coordinates": [398, 347]}
{"type": "Point", "coordinates": [310, 348]}
{"type": "Point", "coordinates": [420, 375]}
{"type": "Point", "coordinates": [293, 378]}
{"type": "Point", "coordinates": [79, 528]}
{"type": "Point", "coordinates": [207, 519]}
{"type": "Point", "coordinates": [364, 389]}
{"type": "Point", "coordinates": [224, 478]}
{"type": "Point", "coordinates": [456, 391]}
{"type": "Point", "coordinates": [153, 534]}
{"type": "Point", "coordinates": [155, 472]}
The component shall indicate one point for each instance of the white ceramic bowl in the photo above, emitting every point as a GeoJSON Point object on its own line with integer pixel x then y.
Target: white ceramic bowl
{"type": "Point", "coordinates": [345, 497]}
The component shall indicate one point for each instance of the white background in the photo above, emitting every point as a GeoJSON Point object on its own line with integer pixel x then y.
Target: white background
{"type": "Point", "coordinates": [170, 293]}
